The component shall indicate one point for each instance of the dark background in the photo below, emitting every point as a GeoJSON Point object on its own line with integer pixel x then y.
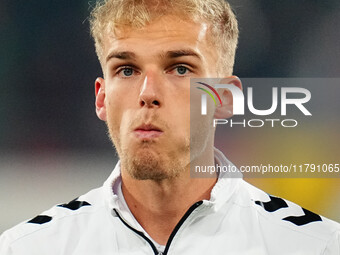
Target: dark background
{"type": "Point", "coordinates": [51, 142]}
{"type": "Point", "coordinates": [48, 64]}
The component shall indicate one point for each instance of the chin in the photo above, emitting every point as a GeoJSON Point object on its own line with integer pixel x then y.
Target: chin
{"type": "Point", "coordinates": [147, 164]}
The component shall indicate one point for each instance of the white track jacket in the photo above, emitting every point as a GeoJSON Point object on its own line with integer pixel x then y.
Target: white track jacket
{"type": "Point", "coordinates": [239, 219]}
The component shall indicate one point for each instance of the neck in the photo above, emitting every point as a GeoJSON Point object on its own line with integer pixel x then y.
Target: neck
{"type": "Point", "coordinates": [159, 205]}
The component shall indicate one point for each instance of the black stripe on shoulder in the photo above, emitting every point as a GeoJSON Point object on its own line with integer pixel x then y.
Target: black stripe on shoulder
{"type": "Point", "coordinates": [74, 204]}
{"type": "Point", "coordinates": [40, 219]}
{"type": "Point", "coordinates": [273, 205]}
{"type": "Point", "coordinates": [308, 217]}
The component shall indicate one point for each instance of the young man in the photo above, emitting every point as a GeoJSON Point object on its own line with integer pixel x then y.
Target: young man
{"type": "Point", "coordinates": [149, 50]}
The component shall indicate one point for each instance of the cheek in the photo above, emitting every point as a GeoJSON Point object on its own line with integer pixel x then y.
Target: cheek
{"type": "Point", "coordinates": [120, 117]}
{"type": "Point", "coordinates": [197, 120]}
{"type": "Point", "coordinates": [180, 117]}
{"type": "Point", "coordinates": [125, 122]}
{"type": "Point", "coordinates": [114, 113]}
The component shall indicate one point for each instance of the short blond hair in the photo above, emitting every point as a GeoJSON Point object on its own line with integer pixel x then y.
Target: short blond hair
{"type": "Point", "coordinates": [110, 14]}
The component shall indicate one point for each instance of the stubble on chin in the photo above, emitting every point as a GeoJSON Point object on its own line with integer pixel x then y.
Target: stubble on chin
{"type": "Point", "coordinates": [144, 162]}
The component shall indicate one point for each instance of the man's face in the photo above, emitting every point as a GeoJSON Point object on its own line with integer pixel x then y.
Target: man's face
{"type": "Point", "coordinates": [145, 97]}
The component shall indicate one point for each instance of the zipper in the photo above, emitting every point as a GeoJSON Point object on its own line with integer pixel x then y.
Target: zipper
{"type": "Point", "coordinates": [172, 235]}
{"type": "Point", "coordinates": [179, 224]}
{"type": "Point", "coordinates": [139, 233]}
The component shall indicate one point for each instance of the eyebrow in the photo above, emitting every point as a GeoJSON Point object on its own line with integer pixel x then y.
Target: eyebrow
{"type": "Point", "coordinates": [181, 53]}
{"type": "Point", "coordinates": [124, 55]}
{"type": "Point", "coordinates": [128, 55]}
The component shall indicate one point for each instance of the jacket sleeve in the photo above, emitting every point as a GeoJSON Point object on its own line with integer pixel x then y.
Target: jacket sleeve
{"type": "Point", "coordinates": [4, 245]}
{"type": "Point", "coordinates": [333, 246]}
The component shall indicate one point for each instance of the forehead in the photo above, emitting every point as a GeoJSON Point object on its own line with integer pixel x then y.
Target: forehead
{"type": "Point", "coordinates": [166, 32]}
{"type": "Point", "coordinates": [167, 25]}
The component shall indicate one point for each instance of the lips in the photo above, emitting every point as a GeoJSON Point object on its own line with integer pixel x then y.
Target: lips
{"type": "Point", "coordinates": [148, 131]}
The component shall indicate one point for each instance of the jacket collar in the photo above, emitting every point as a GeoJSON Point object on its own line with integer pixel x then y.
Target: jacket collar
{"type": "Point", "coordinates": [221, 193]}
{"type": "Point", "coordinates": [226, 185]}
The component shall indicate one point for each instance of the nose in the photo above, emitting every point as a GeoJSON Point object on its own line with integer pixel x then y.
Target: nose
{"type": "Point", "coordinates": [150, 93]}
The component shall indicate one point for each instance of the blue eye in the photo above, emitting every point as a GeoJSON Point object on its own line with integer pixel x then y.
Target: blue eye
{"type": "Point", "coordinates": [181, 70]}
{"type": "Point", "coordinates": [127, 71]}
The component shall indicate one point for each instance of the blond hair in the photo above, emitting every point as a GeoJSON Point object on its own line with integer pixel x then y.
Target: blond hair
{"type": "Point", "coordinates": [110, 14]}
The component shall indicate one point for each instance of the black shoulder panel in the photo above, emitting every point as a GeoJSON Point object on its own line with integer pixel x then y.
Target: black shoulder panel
{"type": "Point", "coordinates": [277, 203]}
{"type": "Point", "coordinates": [304, 219]}
{"type": "Point", "coordinates": [273, 205]}
{"type": "Point", "coordinates": [40, 219]}
{"type": "Point", "coordinates": [74, 204]}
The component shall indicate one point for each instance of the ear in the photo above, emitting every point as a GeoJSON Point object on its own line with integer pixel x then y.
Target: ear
{"type": "Point", "coordinates": [100, 98]}
{"type": "Point", "coordinates": [226, 110]}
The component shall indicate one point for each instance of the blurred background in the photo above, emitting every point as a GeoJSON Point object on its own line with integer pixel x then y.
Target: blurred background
{"type": "Point", "coordinates": [52, 146]}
